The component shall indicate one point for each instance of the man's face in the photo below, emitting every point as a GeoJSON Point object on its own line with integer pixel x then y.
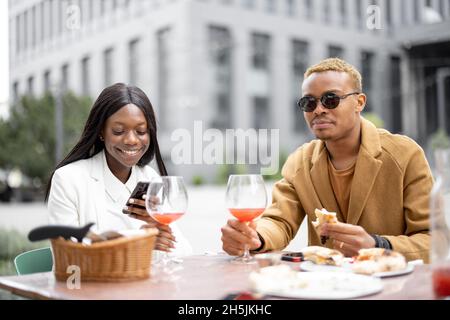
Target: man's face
{"type": "Point", "coordinates": [332, 124]}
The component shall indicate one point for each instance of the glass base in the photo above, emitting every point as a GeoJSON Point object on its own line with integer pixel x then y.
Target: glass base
{"type": "Point", "coordinates": [164, 267]}
{"type": "Point", "coordinates": [244, 260]}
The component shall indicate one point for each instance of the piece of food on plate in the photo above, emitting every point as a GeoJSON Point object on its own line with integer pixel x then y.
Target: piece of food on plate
{"type": "Point", "coordinates": [322, 255]}
{"type": "Point", "coordinates": [375, 260]}
{"type": "Point", "coordinates": [324, 216]}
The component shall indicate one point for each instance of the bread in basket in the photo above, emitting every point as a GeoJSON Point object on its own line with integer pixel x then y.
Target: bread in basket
{"type": "Point", "coordinates": [123, 259]}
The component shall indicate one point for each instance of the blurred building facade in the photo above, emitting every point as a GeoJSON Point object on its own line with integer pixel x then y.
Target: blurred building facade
{"type": "Point", "coordinates": [238, 63]}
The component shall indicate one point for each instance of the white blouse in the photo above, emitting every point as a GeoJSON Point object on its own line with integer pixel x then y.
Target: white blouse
{"type": "Point", "coordinates": [87, 191]}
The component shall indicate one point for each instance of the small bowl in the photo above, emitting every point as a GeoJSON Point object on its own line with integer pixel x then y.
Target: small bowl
{"type": "Point", "coordinates": [268, 259]}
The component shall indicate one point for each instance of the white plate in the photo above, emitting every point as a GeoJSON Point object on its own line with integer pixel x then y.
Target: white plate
{"type": "Point", "coordinates": [313, 285]}
{"type": "Point", "coordinates": [347, 267]}
{"type": "Point", "coordinates": [409, 268]}
{"type": "Point", "coordinates": [312, 267]}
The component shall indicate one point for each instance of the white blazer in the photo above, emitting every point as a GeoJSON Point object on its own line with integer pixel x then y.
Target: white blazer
{"type": "Point", "coordinates": [77, 196]}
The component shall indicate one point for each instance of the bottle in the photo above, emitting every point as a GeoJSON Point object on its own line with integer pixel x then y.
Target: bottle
{"type": "Point", "coordinates": [440, 225]}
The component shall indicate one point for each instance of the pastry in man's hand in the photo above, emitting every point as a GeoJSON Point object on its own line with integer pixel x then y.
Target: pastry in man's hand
{"type": "Point", "coordinates": [324, 216]}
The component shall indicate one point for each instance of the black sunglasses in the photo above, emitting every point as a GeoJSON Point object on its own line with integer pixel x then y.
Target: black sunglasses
{"type": "Point", "coordinates": [329, 100]}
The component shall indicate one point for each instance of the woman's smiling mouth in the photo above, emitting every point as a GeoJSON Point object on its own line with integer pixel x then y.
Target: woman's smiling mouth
{"type": "Point", "coordinates": [131, 152]}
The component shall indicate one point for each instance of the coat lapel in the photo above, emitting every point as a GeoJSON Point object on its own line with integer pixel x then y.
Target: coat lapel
{"type": "Point", "coordinates": [366, 171]}
{"type": "Point", "coordinates": [321, 180]}
{"type": "Point", "coordinates": [98, 196]}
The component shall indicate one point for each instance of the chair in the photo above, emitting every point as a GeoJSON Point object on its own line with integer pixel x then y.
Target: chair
{"type": "Point", "coordinates": [34, 261]}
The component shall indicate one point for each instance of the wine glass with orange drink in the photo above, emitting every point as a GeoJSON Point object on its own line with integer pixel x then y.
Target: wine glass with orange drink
{"type": "Point", "coordinates": [246, 199]}
{"type": "Point", "coordinates": [166, 201]}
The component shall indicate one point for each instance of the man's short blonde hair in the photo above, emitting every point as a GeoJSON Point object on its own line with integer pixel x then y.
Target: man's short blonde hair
{"type": "Point", "coordinates": [336, 64]}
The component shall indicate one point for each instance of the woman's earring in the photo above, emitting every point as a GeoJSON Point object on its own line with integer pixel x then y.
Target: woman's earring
{"type": "Point", "coordinates": [102, 139]}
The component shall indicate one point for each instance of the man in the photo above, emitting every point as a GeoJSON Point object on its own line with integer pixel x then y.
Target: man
{"type": "Point", "coordinates": [377, 183]}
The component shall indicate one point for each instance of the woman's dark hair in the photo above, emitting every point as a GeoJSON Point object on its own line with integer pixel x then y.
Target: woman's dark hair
{"type": "Point", "coordinates": [109, 102]}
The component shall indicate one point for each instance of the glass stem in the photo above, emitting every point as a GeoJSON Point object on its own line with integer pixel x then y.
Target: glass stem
{"type": "Point", "coordinates": [165, 259]}
{"type": "Point", "coordinates": [246, 255]}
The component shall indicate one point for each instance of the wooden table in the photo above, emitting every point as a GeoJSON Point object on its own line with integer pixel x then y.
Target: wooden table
{"type": "Point", "coordinates": [201, 278]}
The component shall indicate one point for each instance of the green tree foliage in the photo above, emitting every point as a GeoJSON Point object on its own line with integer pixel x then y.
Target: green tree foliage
{"type": "Point", "coordinates": [439, 140]}
{"type": "Point", "coordinates": [27, 138]}
{"type": "Point", "coordinates": [374, 118]}
{"type": "Point", "coordinates": [14, 243]}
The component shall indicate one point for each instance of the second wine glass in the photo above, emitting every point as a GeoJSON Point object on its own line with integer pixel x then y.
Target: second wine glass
{"type": "Point", "coordinates": [246, 199]}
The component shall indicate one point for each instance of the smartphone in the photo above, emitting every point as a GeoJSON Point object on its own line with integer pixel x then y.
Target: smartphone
{"type": "Point", "coordinates": [138, 193]}
{"type": "Point", "coordinates": [293, 256]}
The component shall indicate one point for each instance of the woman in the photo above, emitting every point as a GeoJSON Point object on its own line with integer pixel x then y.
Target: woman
{"type": "Point", "coordinates": [95, 180]}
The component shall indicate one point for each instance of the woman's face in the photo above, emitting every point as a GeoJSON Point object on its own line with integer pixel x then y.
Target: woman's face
{"type": "Point", "coordinates": [126, 138]}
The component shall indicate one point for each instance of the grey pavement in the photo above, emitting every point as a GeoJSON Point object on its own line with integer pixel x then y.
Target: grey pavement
{"type": "Point", "coordinates": [201, 224]}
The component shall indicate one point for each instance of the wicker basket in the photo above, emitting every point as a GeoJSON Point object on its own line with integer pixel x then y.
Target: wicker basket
{"type": "Point", "coordinates": [122, 259]}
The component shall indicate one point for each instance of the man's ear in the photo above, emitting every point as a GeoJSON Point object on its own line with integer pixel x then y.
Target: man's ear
{"type": "Point", "coordinates": [361, 102]}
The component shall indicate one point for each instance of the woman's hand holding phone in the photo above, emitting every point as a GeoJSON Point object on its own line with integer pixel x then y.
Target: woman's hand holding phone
{"type": "Point", "coordinates": [136, 209]}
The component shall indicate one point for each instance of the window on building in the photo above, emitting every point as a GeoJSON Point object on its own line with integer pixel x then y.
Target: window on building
{"type": "Point", "coordinates": [11, 36]}
{"type": "Point", "coordinates": [291, 8]}
{"type": "Point", "coordinates": [404, 16]}
{"type": "Point", "coordinates": [65, 78]}
{"type": "Point", "coordinates": [102, 7]}
{"type": "Point", "coordinates": [108, 66]}
{"type": "Point", "coordinates": [442, 7]}
{"type": "Point", "coordinates": [359, 13]}
{"type": "Point", "coordinates": [300, 61]}
{"type": "Point", "coordinates": [270, 6]}
{"type": "Point", "coordinates": [388, 6]}
{"type": "Point", "coordinates": [133, 63]}
{"type": "Point", "coordinates": [33, 27]}
{"type": "Point", "coordinates": [335, 51]}
{"type": "Point", "coordinates": [220, 48]}
{"type": "Point", "coordinates": [47, 81]}
{"type": "Point", "coordinates": [91, 10]}
{"type": "Point", "coordinates": [261, 61]}
{"type": "Point", "coordinates": [249, 4]}
{"type": "Point", "coordinates": [367, 59]}
{"type": "Point", "coordinates": [42, 20]}
{"type": "Point", "coordinates": [261, 51]}
{"type": "Point", "coordinates": [164, 37]}
{"type": "Point", "coordinates": [416, 10]}
{"type": "Point", "coordinates": [84, 11]}
{"type": "Point", "coordinates": [25, 30]}
{"type": "Point", "coordinates": [396, 94]}
{"type": "Point", "coordinates": [50, 21]}
{"type": "Point", "coordinates": [261, 113]}
{"type": "Point", "coordinates": [326, 11]}
{"type": "Point", "coordinates": [18, 34]}
{"type": "Point", "coordinates": [343, 12]}
{"type": "Point", "coordinates": [30, 83]}
{"type": "Point", "coordinates": [309, 9]}
{"type": "Point", "coordinates": [85, 76]}
{"type": "Point", "coordinates": [15, 92]}
{"type": "Point", "coordinates": [59, 16]}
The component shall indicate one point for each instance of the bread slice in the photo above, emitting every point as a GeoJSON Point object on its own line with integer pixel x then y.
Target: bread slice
{"type": "Point", "coordinates": [324, 216]}
{"type": "Point", "coordinates": [375, 260]}
{"type": "Point", "coordinates": [322, 255]}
